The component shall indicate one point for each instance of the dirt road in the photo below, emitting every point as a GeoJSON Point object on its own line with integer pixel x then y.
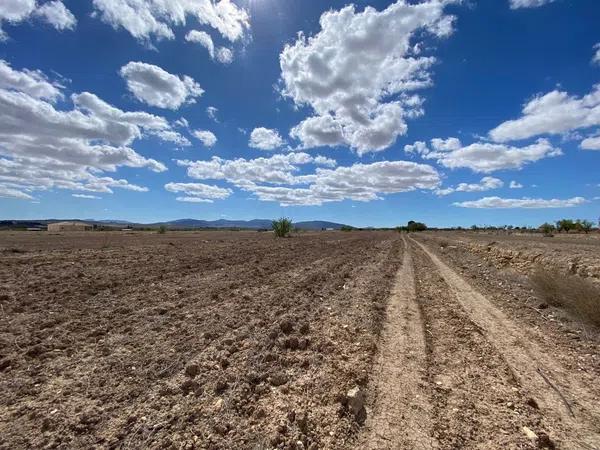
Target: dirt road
{"type": "Point", "coordinates": [453, 371]}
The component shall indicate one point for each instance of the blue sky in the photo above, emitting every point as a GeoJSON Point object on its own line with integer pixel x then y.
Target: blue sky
{"type": "Point", "coordinates": [448, 112]}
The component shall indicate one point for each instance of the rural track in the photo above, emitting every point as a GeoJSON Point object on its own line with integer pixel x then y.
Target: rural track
{"type": "Point", "coordinates": [569, 409]}
{"type": "Point", "coordinates": [453, 371]}
{"type": "Point", "coordinates": [400, 415]}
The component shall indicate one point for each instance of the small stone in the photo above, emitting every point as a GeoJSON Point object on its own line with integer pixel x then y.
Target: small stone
{"type": "Point", "coordinates": [218, 404]}
{"type": "Point", "coordinates": [529, 433]}
{"type": "Point", "coordinates": [355, 402]}
{"type": "Point", "coordinates": [278, 379]}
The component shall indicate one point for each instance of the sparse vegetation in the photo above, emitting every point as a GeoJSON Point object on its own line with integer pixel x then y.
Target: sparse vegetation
{"type": "Point", "coordinates": [547, 229]}
{"type": "Point", "coordinates": [584, 225]}
{"type": "Point", "coordinates": [282, 227]}
{"type": "Point", "coordinates": [565, 225]}
{"type": "Point", "coordinates": [413, 226]}
{"type": "Point", "coordinates": [162, 229]}
{"type": "Point", "coordinates": [569, 291]}
{"type": "Point", "coordinates": [346, 228]}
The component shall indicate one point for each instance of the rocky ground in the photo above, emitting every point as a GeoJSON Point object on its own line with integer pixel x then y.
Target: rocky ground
{"type": "Point", "coordinates": [323, 340]}
{"type": "Point", "coordinates": [573, 253]}
{"type": "Point", "coordinates": [188, 340]}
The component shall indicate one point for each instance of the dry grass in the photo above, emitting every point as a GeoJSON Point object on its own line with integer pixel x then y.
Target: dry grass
{"type": "Point", "coordinates": [572, 292]}
{"type": "Point", "coordinates": [443, 243]}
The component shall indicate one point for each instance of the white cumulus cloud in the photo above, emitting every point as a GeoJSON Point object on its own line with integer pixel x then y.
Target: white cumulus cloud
{"type": "Point", "coordinates": [359, 71]}
{"type": "Point", "coordinates": [202, 38]}
{"type": "Point", "coordinates": [43, 148]}
{"type": "Point", "coordinates": [279, 178]}
{"type": "Point", "coordinates": [483, 157]}
{"type": "Point", "coordinates": [198, 192]}
{"type": "Point", "coordinates": [486, 184]}
{"type": "Point", "coordinates": [212, 113]}
{"type": "Point", "coordinates": [528, 203]}
{"type": "Point", "coordinates": [207, 138]}
{"type": "Point", "coordinates": [555, 113]}
{"type": "Point", "coordinates": [155, 86]}
{"type": "Point", "coordinates": [31, 82]}
{"type": "Point", "coordinates": [515, 185]}
{"type": "Point", "coordinates": [54, 12]}
{"type": "Point", "coordinates": [596, 57]}
{"type": "Point", "coordinates": [222, 54]}
{"type": "Point", "coordinates": [147, 19]}
{"type": "Point", "coordinates": [265, 139]}
{"type": "Point", "coordinates": [591, 143]}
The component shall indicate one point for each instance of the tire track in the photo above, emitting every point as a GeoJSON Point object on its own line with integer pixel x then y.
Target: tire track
{"type": "Point", "coordinates": [476, 401]}
{"type": "Point", "coordinates": [400, 415]}
{"type": "Point", "coordinates": [576, 425]}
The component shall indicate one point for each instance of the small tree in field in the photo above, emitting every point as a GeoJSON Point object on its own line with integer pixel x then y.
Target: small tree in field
{"type": "Point", "coordinates": [162, 229]}
{"type": "Point", "coordinates": [547, 228]}
{"type": "Point", "coordinates": [565, 225]}
{"type": "Point", "coordinates": [584, 225]}
{"type": "Point", "coordinates": [413, 226]}
{"type": "Point", "coordinates": [282, 227]}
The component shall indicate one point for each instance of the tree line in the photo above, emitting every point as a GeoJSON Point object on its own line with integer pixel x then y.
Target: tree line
{"type": "Point", "coordinates": [567, 225]}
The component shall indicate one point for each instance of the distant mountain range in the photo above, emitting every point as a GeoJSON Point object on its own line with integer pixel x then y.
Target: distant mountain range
{"type": "Point", "coordinates": [255, 224]}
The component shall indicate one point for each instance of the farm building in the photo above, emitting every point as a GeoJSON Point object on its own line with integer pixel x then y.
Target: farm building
{"type": "Point", "coordinates": [70, 226]}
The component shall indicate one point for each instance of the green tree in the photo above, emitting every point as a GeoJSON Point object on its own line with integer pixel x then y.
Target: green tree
{"type": "Point", "coordinates": [585, 226]}
{"type": "Point", "coordinates": [547, 228]}
{"type": "Point", "coordinates": [565, 225]}
{"type": "Point", "coordinates": [413, 226]}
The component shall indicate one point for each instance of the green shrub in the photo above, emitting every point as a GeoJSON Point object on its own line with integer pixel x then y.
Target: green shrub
{"type": "Point", "coordinates": [162, 229]}
{"type": "Point", "coordinates": [282, 227]}
{"type": "Point", "coordinates": [346, 228]}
